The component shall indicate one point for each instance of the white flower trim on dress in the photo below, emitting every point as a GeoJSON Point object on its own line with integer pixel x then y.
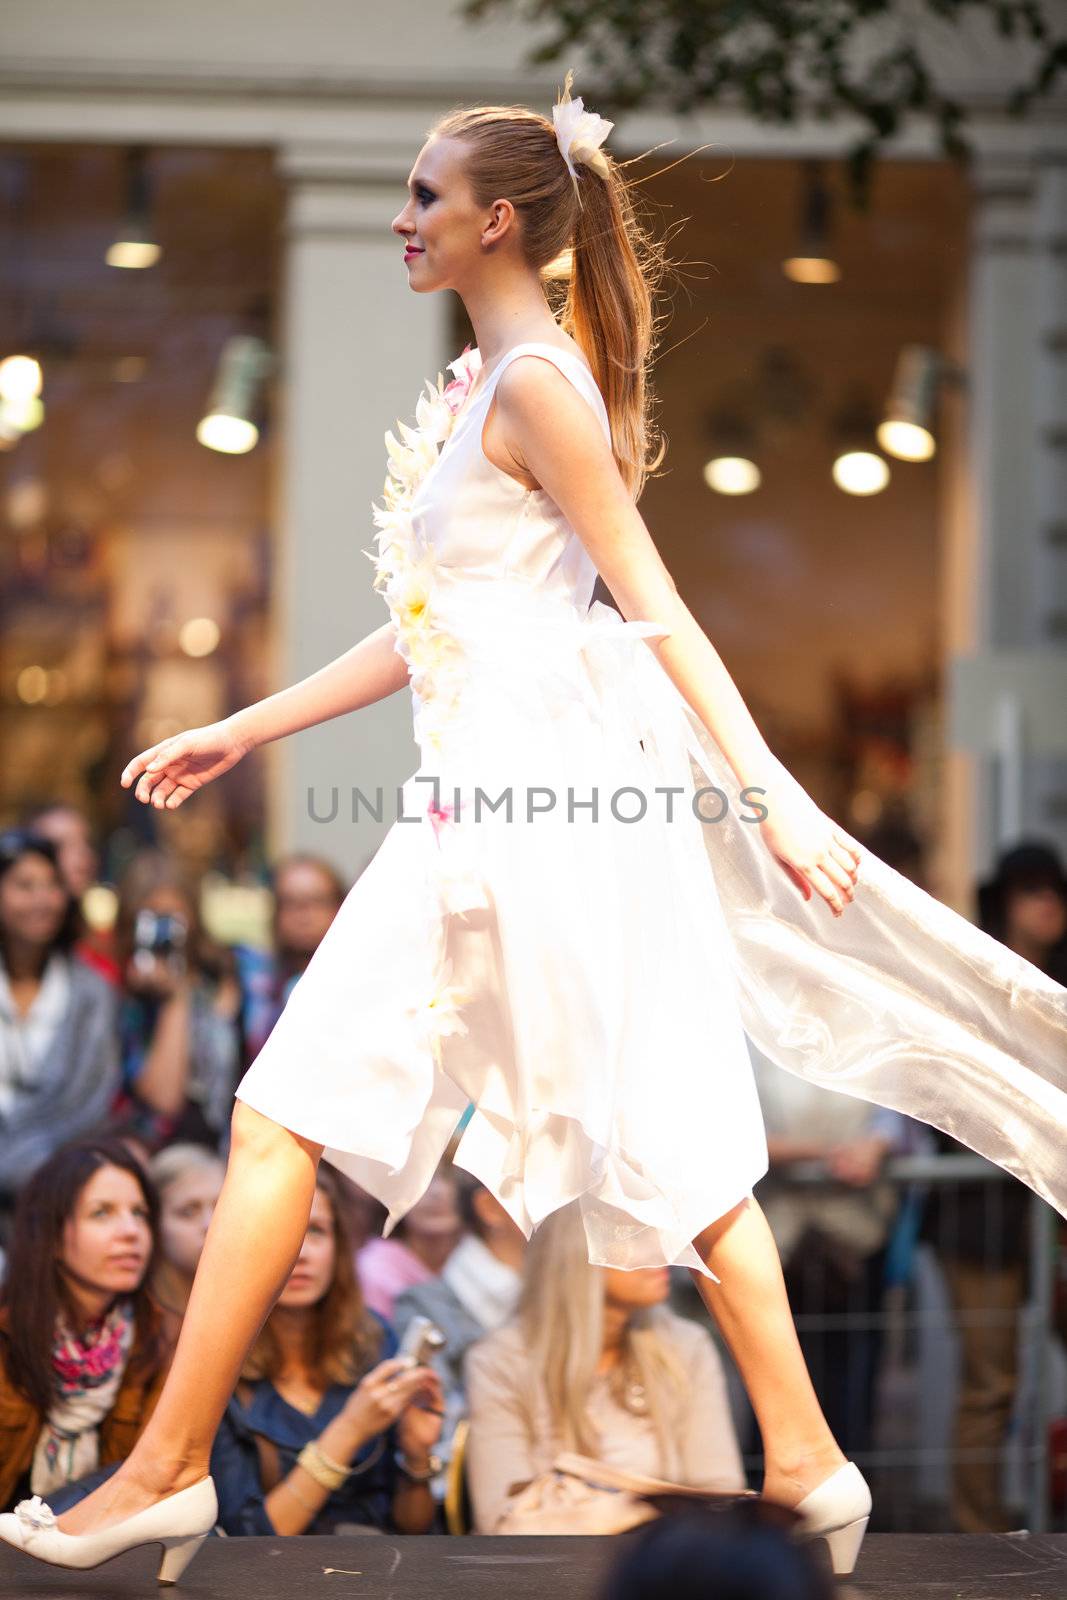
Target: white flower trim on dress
{"type": "Point", "coordinates": [406, 567]}
{"type": "Point", "coordinates": [406, 573]}
{"type": "Point", "coordinates": [35, 1514]}
{"type": "Point", "coordinates": [438, 1015]}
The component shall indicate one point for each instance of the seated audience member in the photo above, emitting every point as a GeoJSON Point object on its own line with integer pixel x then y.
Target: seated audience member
{"type": "Point", "coordinates": [82, 1356]}
{"type": "Point", "coordinates": [328, 1429]}
{"type": "Point", "coordinates": [68, 829]}
{"type": "Point", "coordinates": [594, 1362]}
{"type": "Point", "coordinates": [307, 896]}
{"type": "Point", "coordinates": [179, 1022]}
{"type": "Point", "coordinates": [188, 1180]}
{"type": "Point", "coordinates": [417, 1248]}
{"type": "Point", "coordinates": [476, 1292]}
{"type": "Point", "coordinates": [59, 1060]}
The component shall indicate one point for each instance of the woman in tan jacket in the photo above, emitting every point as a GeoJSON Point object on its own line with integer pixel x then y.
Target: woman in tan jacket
{"type": "Point", "coordinates": [82, 1357]}
{"type": "Point", "coordinates": [594, 1362]}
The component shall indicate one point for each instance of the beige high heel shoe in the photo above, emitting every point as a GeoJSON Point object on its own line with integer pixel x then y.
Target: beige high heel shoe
{"type": "Point", "coordinates": [180, 1523]}
{"type": "Point", "coordinates": [838, 1510]}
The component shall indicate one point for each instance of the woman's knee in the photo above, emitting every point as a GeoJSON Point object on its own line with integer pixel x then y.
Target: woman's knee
{"type": "Point", "coordinates": [254, 1134]}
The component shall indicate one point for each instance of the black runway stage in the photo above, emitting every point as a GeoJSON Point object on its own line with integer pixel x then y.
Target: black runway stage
{"type": "Point", "coordinates": [948, 1566]}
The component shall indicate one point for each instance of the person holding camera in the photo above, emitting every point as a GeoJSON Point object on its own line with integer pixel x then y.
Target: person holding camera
{"type": "Point", "coordinates": [332, 1427]}
{"type": "Point", "coordinates": [59, 1066]}
{"type": "Point", "coordinates": [179, 1020]}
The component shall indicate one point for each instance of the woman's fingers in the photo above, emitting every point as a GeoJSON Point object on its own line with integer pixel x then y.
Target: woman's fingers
{"type": "Point", "coordinates": [838, 874]}
{"type": "Point", "coordinates": [134, 768]}
{"type": "Point", "coordinates": [823, 884]}
{"type": "Point", "coordinates": [166, 786]}
{"type": "Point", "coordinates": [180, 793]}
{"type": "Point", "coordinates": [846, 857]}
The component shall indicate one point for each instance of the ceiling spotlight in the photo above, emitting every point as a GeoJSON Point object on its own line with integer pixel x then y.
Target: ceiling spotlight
{"type": "Point", "coordinates": [813, 262]}
{"type": "Point", "coordinates": [857, 469]}
{"type": "Point", "coordinates": [906, 430]}
{"type": "Point", "coordinates": [135, 245]}
{"type": "Point", "coordinates": [860, 472]}
{"type": "Point", "coordinates": [20, 378]}
{"type": "Point", "coordinates": [730, 468]}
{"type": "Point", "coordinates": [229, 424]}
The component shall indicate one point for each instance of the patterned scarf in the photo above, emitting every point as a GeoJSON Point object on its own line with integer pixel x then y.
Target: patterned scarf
{"type": "Point", "coordinates": [88, 1370]}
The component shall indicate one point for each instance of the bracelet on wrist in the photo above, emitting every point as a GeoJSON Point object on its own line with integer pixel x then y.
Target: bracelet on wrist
{"type": "Point", "coordinates": [433, 1467]}
{"type": "Point", "coordinates": [327, 1473]}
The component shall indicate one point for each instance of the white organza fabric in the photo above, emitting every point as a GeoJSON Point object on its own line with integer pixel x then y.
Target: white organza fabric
{"type": "Point", "coordinates": [588, 980]}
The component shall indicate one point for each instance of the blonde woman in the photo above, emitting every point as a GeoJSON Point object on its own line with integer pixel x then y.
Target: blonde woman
{"type": "Point", "coordinates": [594, 1361]}
{"type": "Point", "coordinates": [569, 961]}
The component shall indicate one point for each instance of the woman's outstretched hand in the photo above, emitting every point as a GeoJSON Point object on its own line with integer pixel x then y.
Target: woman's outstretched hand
{"type": "Point", "coordinates": [812, 850]}
{"type": "Point", "coordinates": [169, 772]}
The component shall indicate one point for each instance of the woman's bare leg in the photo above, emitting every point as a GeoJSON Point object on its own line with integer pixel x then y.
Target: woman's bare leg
{"type": "Point", "coordinates": [252, 1244]}
{"type": "Point", "coordinates": [751, 1307]}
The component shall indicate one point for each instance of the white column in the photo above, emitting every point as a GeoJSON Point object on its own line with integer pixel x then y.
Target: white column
{"type": "Point", "coordinates": [1000, 448]}
{"type": "Point", "coordinates": [356, 344]}
{"type": "Point", "coordinates": [1008, 703]}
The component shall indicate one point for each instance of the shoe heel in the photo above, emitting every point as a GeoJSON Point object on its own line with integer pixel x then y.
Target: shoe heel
{"type": "Point", "coordinates": [177, 1554]}
{"type": "Point", "coordinates": [844, 1545]}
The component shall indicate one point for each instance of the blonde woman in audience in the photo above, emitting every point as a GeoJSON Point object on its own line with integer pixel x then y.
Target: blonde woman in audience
{"type": "Point", "coordinates": [188, 1180]}
{"type": "Point", "coordinates": [594, 1362]}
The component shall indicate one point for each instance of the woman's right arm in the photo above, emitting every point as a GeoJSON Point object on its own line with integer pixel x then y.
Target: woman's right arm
{"type": "Point", "coordinates": [368, 672]}
{"type": "Point", "coordinates": [168, 772]}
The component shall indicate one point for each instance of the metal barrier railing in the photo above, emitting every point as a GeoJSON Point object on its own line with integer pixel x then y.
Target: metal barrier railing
{"type": "Point", "coordinates": [908, 1329]}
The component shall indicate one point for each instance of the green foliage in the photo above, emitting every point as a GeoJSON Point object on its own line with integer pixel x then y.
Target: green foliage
{"type": "Point", "coordinates": [779, 59]}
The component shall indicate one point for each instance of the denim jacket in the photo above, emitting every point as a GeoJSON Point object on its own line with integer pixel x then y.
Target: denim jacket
{"type": "Point", "coordinates": [366, 1498]}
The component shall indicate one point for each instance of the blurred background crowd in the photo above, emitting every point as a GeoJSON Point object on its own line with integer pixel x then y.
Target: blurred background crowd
{"type": "Point", "coordinates": [120, 1049]}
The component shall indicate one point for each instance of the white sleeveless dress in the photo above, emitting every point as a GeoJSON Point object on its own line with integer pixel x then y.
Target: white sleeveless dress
{"type": "Point", "coordinates": [587, 978]}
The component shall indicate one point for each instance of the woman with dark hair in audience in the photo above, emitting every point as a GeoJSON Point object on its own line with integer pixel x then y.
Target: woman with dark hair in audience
{"type": "Point", "coordinates": [179, 1025]}
{"type": "Point", "coordinates": [82, 1359]}
{"type": "Point", "coordinates": [59, 1066]}
{"type": "Point", "coordinates": [324, 1433]}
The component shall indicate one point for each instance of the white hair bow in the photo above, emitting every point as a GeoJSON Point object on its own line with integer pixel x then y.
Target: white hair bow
{"type": "Point", "coordinates": [579, 133]}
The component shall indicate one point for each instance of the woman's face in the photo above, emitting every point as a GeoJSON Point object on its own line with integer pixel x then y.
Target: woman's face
{"type": "Point", "coordinates": [436, 1213]}
{"type": "Point", "coordinates": [440, 220]}
{"type": "Point", "coordinates": [69, 832]}
{"type": "Point", "coordinates": [629, 1291]}
{"type": "Point", "coordinates": [107, 1239]}
{"type": "Point", "coordinates": [186, 1207]}
{"type": "Point", "coordinates": [33, 900]}
{"type": "Point", "coordinates": [312, 1275]}
{"type": "Point", "coordinates": [1037, 915]}
{"type": "Point", "coordinates": [305, 904]}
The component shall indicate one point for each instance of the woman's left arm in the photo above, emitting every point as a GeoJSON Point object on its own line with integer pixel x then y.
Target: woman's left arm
{"type": "Point", "coordinates": [557, 436]}
{"type": "Point", "coordinates": [417, 1429]}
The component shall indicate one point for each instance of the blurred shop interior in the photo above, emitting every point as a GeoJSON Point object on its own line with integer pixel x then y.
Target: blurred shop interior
{"type": "Point", "coordinates": [142, 403]}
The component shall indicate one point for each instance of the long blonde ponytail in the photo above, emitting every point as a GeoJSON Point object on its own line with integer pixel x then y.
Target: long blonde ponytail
{"type": "Point", "coordinates": [600, 265]}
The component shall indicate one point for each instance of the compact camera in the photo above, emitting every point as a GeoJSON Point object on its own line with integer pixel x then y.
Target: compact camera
{"type": "Point", "coordinates": [422, 1339]}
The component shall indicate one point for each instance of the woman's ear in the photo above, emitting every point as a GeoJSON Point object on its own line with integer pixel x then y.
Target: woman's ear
{"type": "Point", "coordinates": [496, 228]}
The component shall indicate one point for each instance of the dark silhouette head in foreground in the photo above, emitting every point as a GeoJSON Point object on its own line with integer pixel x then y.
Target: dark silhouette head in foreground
{"type": "Point", "coordinates": [745, 1553]}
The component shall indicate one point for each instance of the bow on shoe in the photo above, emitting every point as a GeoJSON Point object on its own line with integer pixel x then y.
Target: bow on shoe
{"type": "Point", "coordinates": [35, 1514]}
